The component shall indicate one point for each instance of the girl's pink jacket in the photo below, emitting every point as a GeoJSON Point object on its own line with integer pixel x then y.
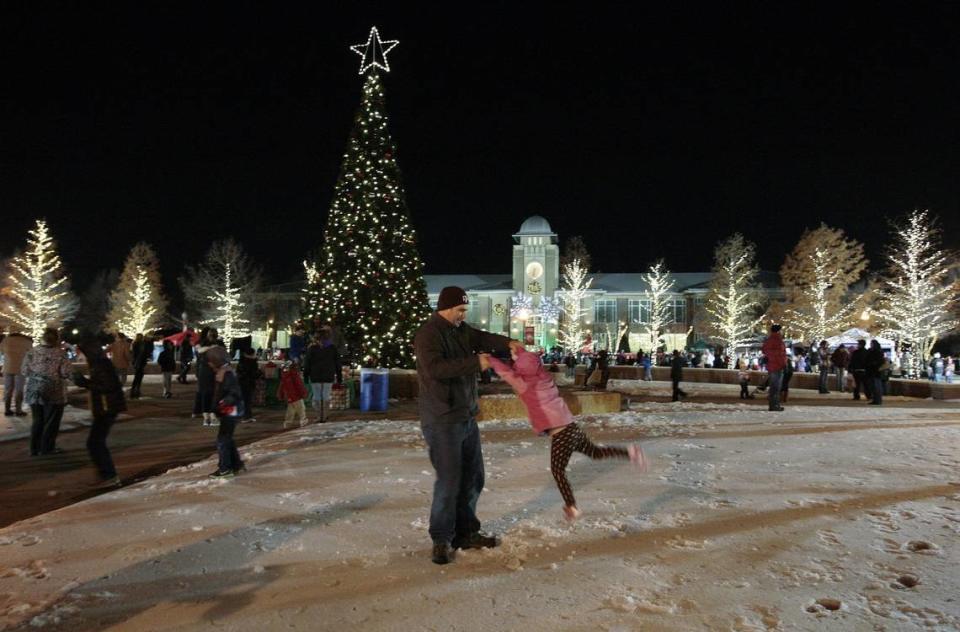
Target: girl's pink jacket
{"type": "Point", "coordinates": [536, 388]}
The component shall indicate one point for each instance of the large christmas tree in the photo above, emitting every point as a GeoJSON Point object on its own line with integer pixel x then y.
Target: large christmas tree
{"type": "Point", "coordinates": [369, 283]}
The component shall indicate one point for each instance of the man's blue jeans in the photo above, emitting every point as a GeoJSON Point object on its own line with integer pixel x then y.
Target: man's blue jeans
{"type": "Point", "coordinates": [458, 462]}
{"type": "Point", "coordinates": [773, 390]}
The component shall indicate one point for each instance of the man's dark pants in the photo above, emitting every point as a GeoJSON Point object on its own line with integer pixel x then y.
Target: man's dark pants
{"type": "Point", "coordinates": [226, 446]}
{"type": "Point", "coordinates": [773, 390]}
{"type": "Point", "coordinates": [457, 459]}
{"type": "Point", "coordinates": [46, 426]}
{"type": "Point", "coordinates": [859, 384]}
{"type": "Point", "coordinates": [97, 446]}
{"type": "Point", "coordinates": [137, 380]}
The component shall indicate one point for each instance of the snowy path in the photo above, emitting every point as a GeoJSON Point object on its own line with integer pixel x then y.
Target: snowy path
{"type": "Point", "coordinates": [820, 518]}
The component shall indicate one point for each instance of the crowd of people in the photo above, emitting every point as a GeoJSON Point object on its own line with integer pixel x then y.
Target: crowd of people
{"type": "Point", "coordinates": [450, 355]}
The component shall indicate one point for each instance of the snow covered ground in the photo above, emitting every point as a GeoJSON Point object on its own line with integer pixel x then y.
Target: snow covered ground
{"type": "Point", "coordinates": [817, 518]}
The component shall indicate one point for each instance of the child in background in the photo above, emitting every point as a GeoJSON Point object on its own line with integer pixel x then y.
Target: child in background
{"type": "Point", "coordinates": [744, 377]}
{"type": "Point", "coordinates": [549, 415]}
{"type": "Point", "coordinates": [167, 366]}
{"type": "Point", "coordinates": [293, 391]}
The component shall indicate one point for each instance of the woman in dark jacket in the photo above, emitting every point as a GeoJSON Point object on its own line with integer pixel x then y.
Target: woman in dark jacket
{"type": "Point", "coordinates": [228, 404]}
{"type": "Point", "coordinates": [874, 362]}
{"type": "Point", "coordinates": [321, 368]}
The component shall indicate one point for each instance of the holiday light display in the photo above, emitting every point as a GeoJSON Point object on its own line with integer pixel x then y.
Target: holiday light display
{"type": "Point", "coordinates": [549, 309]}
{"type": "Point", "coordinates": [371, 278]}
{"type": "Point", "coordinates": [661, 311]}
{"type": "Point", "coordinates": [575, 285]}
{"type": "Point", "coordinates": [731, 301]}
{"type": "Point", "coordinates": [521, 306]}
{"type": "Point", "coordinates": [374, 52]}
{"type": "Point", "coordinates": [817, 276]}
{"type": "Point", "coordinates": [221, 289]}
{"type": "Point", "coordinates": [918, 301]}
{"type": "Point", "coordinates": [138, 297]}
{"type": "Point", "coordinates": [37, 295]}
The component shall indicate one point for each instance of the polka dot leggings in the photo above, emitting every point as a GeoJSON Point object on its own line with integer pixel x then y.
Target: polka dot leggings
{"type": "Point", "coordinates": [569, 440]}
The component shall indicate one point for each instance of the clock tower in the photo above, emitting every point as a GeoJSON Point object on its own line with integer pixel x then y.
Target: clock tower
{"type": "Point", "coordinates": [536, 259]}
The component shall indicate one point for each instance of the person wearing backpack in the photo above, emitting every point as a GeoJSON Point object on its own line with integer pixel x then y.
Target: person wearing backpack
{"type": "Point", "coordinates": [106, 402]}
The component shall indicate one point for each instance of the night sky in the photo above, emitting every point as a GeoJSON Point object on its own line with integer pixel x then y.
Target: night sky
{"type": "Point", "coordinates": [651, 133]}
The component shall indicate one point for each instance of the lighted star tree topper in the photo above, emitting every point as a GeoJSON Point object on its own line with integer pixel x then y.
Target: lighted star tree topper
{"type": "Point", "coordinates": [372, 274]}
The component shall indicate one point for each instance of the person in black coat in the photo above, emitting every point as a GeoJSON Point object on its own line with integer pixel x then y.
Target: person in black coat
{"type": "Point", "coordinates": [676, 374]}
{"type": "Point", "coordinates": [228, 405]}
{"type": "Point", "coordinates": [142, 354]}
{"type": "Point", "coordinates": [167, 365]}
{"type": "Point", "coordinates": [858, 366]}
{"type": "Point", "coordinates": [248, 372]}
{"type": "Point", "coordinates": [873, 366]}
{"type": "Point", "coordinates": [186, 357]}
{"type": "Point", "coordinates": [321, 368]}
{"type": "Point", "coordinates": [106, 402]}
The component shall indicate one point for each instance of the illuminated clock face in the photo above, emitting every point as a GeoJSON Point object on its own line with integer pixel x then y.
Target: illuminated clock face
{"type": "Point", "coordinates": [533, 287]}
{"type": "Point", "coordinates": [534, 270]}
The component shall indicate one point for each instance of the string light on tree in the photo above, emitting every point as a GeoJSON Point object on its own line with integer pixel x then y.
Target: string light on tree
{"type": "Point", "coordinates": [371, 285]}
{"type": "Point", "coordinates": [572, 335]}
{"type": "Point", "coordinates": [732, 297]}
{"type": "Point", "coordinates": [138, 297]}
{"type": "Point", "coordinates": [222, 288]}
{"type": "Point", "coordinates": [661, 311]}
{"type": "Point", "coordinates": [37, 292]}
{"type": "Point", "coordinates": [918, 300]}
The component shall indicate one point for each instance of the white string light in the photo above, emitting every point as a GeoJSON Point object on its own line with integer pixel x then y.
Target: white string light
{"type": "Point", "coordinates": [374, 52]}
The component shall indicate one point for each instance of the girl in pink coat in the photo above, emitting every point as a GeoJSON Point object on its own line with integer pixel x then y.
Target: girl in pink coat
{"type": "Point", "coordinates": [549, 415]}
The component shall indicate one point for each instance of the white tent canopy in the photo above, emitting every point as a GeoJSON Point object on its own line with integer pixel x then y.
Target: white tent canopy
{"type": "Point", "coordinates": [851, 336]}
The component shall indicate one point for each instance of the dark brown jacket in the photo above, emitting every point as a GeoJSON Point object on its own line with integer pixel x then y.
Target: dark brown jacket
{"type": "Point", "coordinates": [447, 368]}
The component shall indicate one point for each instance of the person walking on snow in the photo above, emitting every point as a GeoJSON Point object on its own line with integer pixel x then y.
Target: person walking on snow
{"type": "Point", "coordinates": [45, 369]}
{"type": "Point", "coordinates": [120, 356]}
{"type": "Point", "coordinates": [549, 415]}
{"type": "Point", "coordinates": [775, 353]}
{"type": "Point", "coordinates": [167, 366]}
{"type": "Point", "coordinates": [106, 402]}
{"type": "Point", "coordinates": [676, 374]}
{"type": "Point", "coordinates": [292, 391]}
{"type": "Point", "coordinates": [228, 404]}
{"type": "Point", "coordinates": [450, 353]}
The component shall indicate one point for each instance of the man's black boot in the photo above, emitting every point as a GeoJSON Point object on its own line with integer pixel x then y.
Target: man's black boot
{"type": "Point", "coordinates": [475, 540]}
{"type": "Point", "coordinates": [442, 553]}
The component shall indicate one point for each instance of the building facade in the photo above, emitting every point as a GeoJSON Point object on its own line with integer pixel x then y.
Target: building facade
{"type": "Point", "coordinates": [523, 304]}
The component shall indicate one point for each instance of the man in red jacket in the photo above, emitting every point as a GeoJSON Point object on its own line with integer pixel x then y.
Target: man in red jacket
{"type": "Point", "coordinates": [776, 354]}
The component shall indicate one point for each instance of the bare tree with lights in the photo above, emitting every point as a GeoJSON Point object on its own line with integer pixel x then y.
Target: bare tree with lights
{"type": "Point", "coordinates": [37, 294]}
{"type": "Point", "coordinates": [918, 299]}
{"type": "Point", "coordinates": [817, 276]}
{"type": "Point", "coordinates": [221, 289]}
{"type": "Point", "coordinates": [138, 302]}
{"type": "Point", "coordinates": [732, 301]}
{"type": "Point", "coordinates": [661, 313]}
{"type": "Point", "coordinates": [571, 335]}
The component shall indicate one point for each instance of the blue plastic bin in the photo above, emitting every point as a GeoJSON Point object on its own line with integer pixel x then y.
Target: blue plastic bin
{"type": "Point", "coordinates": [374, 389]}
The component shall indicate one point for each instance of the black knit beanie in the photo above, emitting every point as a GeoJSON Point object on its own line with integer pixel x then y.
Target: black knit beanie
{"type": "Point", "coordinates": [452, 296]}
